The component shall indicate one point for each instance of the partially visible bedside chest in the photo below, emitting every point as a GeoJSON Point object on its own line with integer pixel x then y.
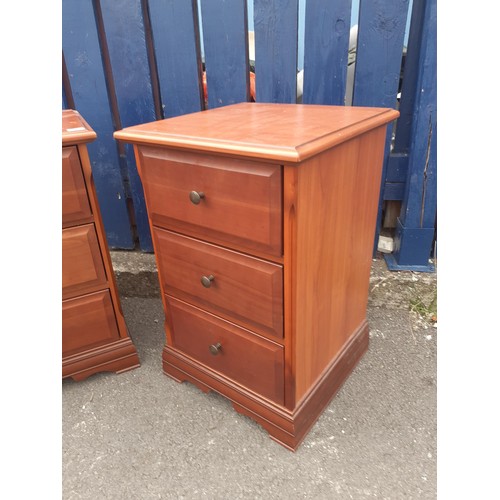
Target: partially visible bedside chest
{"type": "Point", "coordinates": [94, 333]}
{"type": "Point", "coordinates": [263, 220]}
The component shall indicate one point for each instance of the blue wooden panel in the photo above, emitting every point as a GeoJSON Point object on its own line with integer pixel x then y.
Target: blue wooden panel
{"type": "Point", "coordinates": [67, 97]}
{"type": "Point", "coordinates": [419, 207]}
{"type": "Point", "coordinates": [415, 230]}
{"type": "Point", "coordinates": [407, 255]}
{"type": "Point", "coordinates": [410, 80]}
{"type": "Point", "coordinates": [177, 48]}
{"type": "Point", "coordinates": [394, 191]}
{"type": "Point", "coordinates": [381, 32]}
{"type": "Point", "coordinates": [326, 43]}
{"type": "Point", "coordinates": [226, 51]}
{"type": "Point", "coordinates": [379, 52]}
{"type": "Point", "coordinates": [83, 60]}
{"type": "Point", "coordinates": [276, 25]}
{"type": "Point", "coordinates": [125, 37]}
{"type": "Point", "coordinates": [397, 168]}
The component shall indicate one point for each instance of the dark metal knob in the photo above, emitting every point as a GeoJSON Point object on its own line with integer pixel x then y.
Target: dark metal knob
{"type": "Point", "coordinates": [196, 197]}
{"type": "Point", "coordinates": [215, 348]}
{"type": "Point", "coordinates": [206, 281]}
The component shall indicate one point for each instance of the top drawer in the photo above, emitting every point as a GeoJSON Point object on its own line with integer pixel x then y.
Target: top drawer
{"type": "Point", "coordinates": [75, 202]}
{"type": "Point", "coordinates": [219, 199]}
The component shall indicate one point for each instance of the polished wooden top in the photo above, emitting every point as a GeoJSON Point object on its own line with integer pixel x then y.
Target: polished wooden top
{"type": "Point", "coordinates": [75, 129]}
{"type": "Point", "coordinates": [284, 132]}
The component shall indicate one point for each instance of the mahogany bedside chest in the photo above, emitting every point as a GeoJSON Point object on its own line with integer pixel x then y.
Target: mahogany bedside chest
{"type": "Point", "coordinates": [263, 221]}
{"type": "Point", "coordinates": [94, 333]}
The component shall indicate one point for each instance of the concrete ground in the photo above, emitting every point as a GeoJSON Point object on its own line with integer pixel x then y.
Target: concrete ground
{"type": "Point", "coordinates": [140, 435]}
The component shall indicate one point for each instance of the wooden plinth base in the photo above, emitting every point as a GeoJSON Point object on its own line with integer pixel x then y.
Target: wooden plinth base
{"type": "Point", "coordinates": [284, 426]}
{"type": "Point", "coordinates": [116, 357]}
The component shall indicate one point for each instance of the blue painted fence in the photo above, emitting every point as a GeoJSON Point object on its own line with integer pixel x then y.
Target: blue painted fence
{"type": "Point", "coordinates": [132, 61]}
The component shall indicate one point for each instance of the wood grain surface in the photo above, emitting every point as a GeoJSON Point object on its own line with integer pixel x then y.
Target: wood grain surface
{"type": "Point", "coordinates": [244, 357]}
{"type": "Point", "coordinates": [337, 195]}
{"type": "Point", "coordinates": [75, 201]}
{"type": "Point", "coordinates": [245, 290]}
{"type": "Point", "coordinates": [94, 334]}
{"type": "Point", "coordinates": [241, 204]}
{"type": "Point", "coordinates": [300, 182]}
{"type": "Point", "coordinates": [82, 266]}
{"type": "Point", "coordinates": [75, 129]}
{"type": "Point", "coordinates": [88, 321]}
{"type": "Point", "coordinates": [260, 130]}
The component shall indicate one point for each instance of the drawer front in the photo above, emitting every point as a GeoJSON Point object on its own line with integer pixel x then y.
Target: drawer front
{"type": "Point", "coordinates": [75, 202]}
{"type": "Point", "coordinates": [243, 289]}
{"type": "Point", "coordinates": [88, 321]}
{"type": "Point", "coordinates": [241, 203]}
{"type": "Point", "coordinates": [245, 358]}
{"type": "Point", "coordinates": [82, 266]}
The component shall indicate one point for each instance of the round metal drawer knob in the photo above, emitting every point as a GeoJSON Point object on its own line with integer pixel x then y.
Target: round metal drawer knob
{"type": "Point", "coordinates": [196, 197]}
{"type": "Point", "coordinates": [206, 281]}
{"type": "Point", "coordinates": [215, 348]}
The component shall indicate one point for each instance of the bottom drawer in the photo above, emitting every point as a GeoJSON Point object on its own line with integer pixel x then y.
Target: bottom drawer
{"type": "Point", "coordinates": [233, 352]}
{"type": "Point", "coordinates": [88, 321]}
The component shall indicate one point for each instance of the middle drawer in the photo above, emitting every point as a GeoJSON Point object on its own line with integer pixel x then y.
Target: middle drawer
{"type": "Point", "coordinates": [82, 266]}
{"type": "Point", "coordinates": [243, 289]}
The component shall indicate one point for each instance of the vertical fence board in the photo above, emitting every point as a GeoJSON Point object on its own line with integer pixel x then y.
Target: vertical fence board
{"type": "Point", "coordinates": [326, 44]}
{"type": "Point", "coordinates": [67, 96]}
{"type": "Point", "coordinates": [131, 61]}
{"type": "Point", "coordinates": [124, 29]}
{"type": "Point", "coordinates": [86, 75]}
{"type": "Point", "coordinates": [409, 86]}
{"type": "Point", "coordinates": [276, 27]}
{"type": "Point", "coordinates": [415, 231]}
{"type": "Point", "coordinates": [381, 32]}
{"type": "Point", "coordinates": [177, 47]}
{"type": "Point", "coordinates": [379, 52]}
{"type": "Point", "coordinates": [397, 164]}
{"type": "Point", "coordinates": [225, 41]}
